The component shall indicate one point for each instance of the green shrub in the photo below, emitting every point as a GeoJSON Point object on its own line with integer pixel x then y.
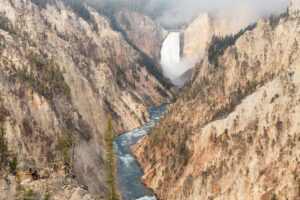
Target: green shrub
{"type": "Point", "coordinates": [161, 91]}
{"type": "Point", "coordinates": [144, 60]}
{"type": "Point", "coordinates": [218, 45]}
{"type": "Point", "coordinates": [274, 20]}
{"type": "Point", "coordinates": [152, 68]}
{"type": "Point", "coordinates": [13, 164]}
{"type": "Point", "coordinates": [30, 195]}
{"type": "Point", "coordinates": [80, 9]}
{"type": "Point", "coordinates": [47, 196]}
{"type": "Point", "coordinates": [19, 187]}
{"type": "Point", "coordinates": [40, 3]}
{"type": "Point", "coordinates": [274, 197]}
{"type": "Point", "coordinates": [199, 86]}
{"type": "Point", "coordinates": [66, 143]}
{"type": "Point", "coordinates": [3, 143]}
{"type": "Point", "coordinates": [6, 25]}
{"type": "Point", "coordinates": [48, 79]}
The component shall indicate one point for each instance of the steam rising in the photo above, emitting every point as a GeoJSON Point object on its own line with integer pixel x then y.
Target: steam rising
{"type": "Point", "coordinates": [179, 11]}
{"type": "Point", "coordinates": [172, 65]}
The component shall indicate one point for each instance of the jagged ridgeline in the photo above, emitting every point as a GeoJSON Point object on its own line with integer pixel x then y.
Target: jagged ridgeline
{"type": "Point", "coordinates": [109, 8]}
{"type": "Point", "coordinates": [219, 44]}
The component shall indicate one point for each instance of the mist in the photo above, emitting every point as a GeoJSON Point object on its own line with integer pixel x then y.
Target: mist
{"type": "Point", "coordinates": [174, 12]}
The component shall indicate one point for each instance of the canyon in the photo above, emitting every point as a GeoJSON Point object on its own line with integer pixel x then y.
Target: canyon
{"type": "Point", "coordinates": [233, 132]}
{"type": "Point", "coordinates": [209, 111]}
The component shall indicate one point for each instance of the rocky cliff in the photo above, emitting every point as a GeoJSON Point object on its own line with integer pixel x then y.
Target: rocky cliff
{"type": "Point", "coordinates": [195, 38]}
{"type": "Point", "coordinates": [61, 74]}
{"type": "Point", "coordinates": [294, 7]}
{"type": "Point", "coordinates": [234, 131]}
{"type": "Point", "coordinates": [145, 33]}
{"type": "Point", "coordinates": [198, 34]}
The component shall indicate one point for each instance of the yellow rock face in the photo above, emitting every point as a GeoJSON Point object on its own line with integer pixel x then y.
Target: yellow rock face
{"type": "Point", "coordinates": [97, 72]}
{"type": "Point", "coordinates": [235, 133]}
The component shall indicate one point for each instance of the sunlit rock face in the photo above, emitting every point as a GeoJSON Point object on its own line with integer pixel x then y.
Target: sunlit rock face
{"type": "Point", "coordinates": [294, 8]}
{"type": "Point", "coordinates": [145, 33]}
{"type": "Point", "coordinates": [233, 133]}
{"type": "Point", "coordinates": [97, 72]}
{"type": "Point", "coordinates": [197, 36]}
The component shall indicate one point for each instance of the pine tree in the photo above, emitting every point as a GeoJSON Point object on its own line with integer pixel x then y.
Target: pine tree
{"type": "Point", "coordinates": [67, 143]}
{"type": "Point", "coordinates": [3, 145]}
{"type": "Point", "coordinates": [110, 163]}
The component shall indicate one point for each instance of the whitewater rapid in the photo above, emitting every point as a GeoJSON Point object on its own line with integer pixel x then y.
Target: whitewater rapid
{"type": "Point", "coordinates": [129, 174]}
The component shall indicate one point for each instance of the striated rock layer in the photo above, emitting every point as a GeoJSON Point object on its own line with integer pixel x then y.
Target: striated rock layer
{"type": "Point", "coordinates": [198, 34]}
{"type": "Point", "coordinates": [234, 132]}
{"type": "Point", "coordinates": [62, 75]}
{"type": "Point", "coordinates": [145, 33]}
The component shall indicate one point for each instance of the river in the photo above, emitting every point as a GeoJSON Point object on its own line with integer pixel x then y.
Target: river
{"type": "Point", "coordinates": [129, 174]}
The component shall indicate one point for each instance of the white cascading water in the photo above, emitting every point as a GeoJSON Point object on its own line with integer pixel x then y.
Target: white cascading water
{"type": "Point", "coordinates": [170, 54]}
{"type": "Point", "coordinates": [171, 63]}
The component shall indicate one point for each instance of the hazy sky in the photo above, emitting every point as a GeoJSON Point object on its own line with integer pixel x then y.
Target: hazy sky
{"type": "Point", "coordinates": [181, 10]}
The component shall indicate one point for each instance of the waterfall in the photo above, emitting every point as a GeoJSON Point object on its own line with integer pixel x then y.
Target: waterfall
{"type": "Point", "coordinates": [171, 62]}
{"type": "Point", "coordinates": [170, 52]}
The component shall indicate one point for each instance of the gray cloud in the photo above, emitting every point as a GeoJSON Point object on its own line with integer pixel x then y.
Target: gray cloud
{"type": "Point", "coordinates": [178, 11]}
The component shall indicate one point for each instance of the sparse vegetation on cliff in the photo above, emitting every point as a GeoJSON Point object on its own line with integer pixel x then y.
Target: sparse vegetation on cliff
{"type": "Point", "coordinates": [3, 145]}
{"type": "Point", "coordinates": [110, 7]}
{"type": "Point", "coordinates": [152, 68]}
{"type": "Point", "coordinates": [6, 25]}
{"type": "Point", "coordinates": [144, 60]}
{"type": "Point", "coordinates": [67, 144]}
{"type": "Point", "coordinates": [45, 77]}
{"type": "Point", "coordinates": [161, 91]}
{"type": "Point", "coordinates": [242, 114]}
{"type": "Point", "coordinates": [76, 5]}
{"type": "Point", "coordinates": [110, 163]}
{"type": "Point", "coordinates": [218, 45]}
{"type": "Point", "coordinates": [40, 3]}
{"type": "Point", "coordinates": [197, 88]}
{"type": "Point", "coordinates": [274, 20]}
{"type": "Point", "coordinates": [6, 157]}
{"type": "Point", "coordinates": [35, 85]}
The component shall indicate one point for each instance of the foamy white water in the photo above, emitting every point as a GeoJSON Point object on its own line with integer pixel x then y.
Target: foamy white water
{"type": "Point", "coordinates": [171, 62]}
{"type": "Point", "coordinates": [127, 159]}
{"type": "Point", "coordinates": [147, 198]}
{"type": "Point", "coordinates": [170, 52]}
{"type": "Point", "coordinates": [129, 174]}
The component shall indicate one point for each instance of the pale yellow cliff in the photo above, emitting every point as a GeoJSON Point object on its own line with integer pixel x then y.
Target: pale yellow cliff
{"type": "Point", "coordinates": [60, 75]}
{"type": "Point", "coordinates": [145, 33]}
{"type": "Point", "coordinates": [234, 132]}
{"type": "Point", "coordinates": [198, 34]}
